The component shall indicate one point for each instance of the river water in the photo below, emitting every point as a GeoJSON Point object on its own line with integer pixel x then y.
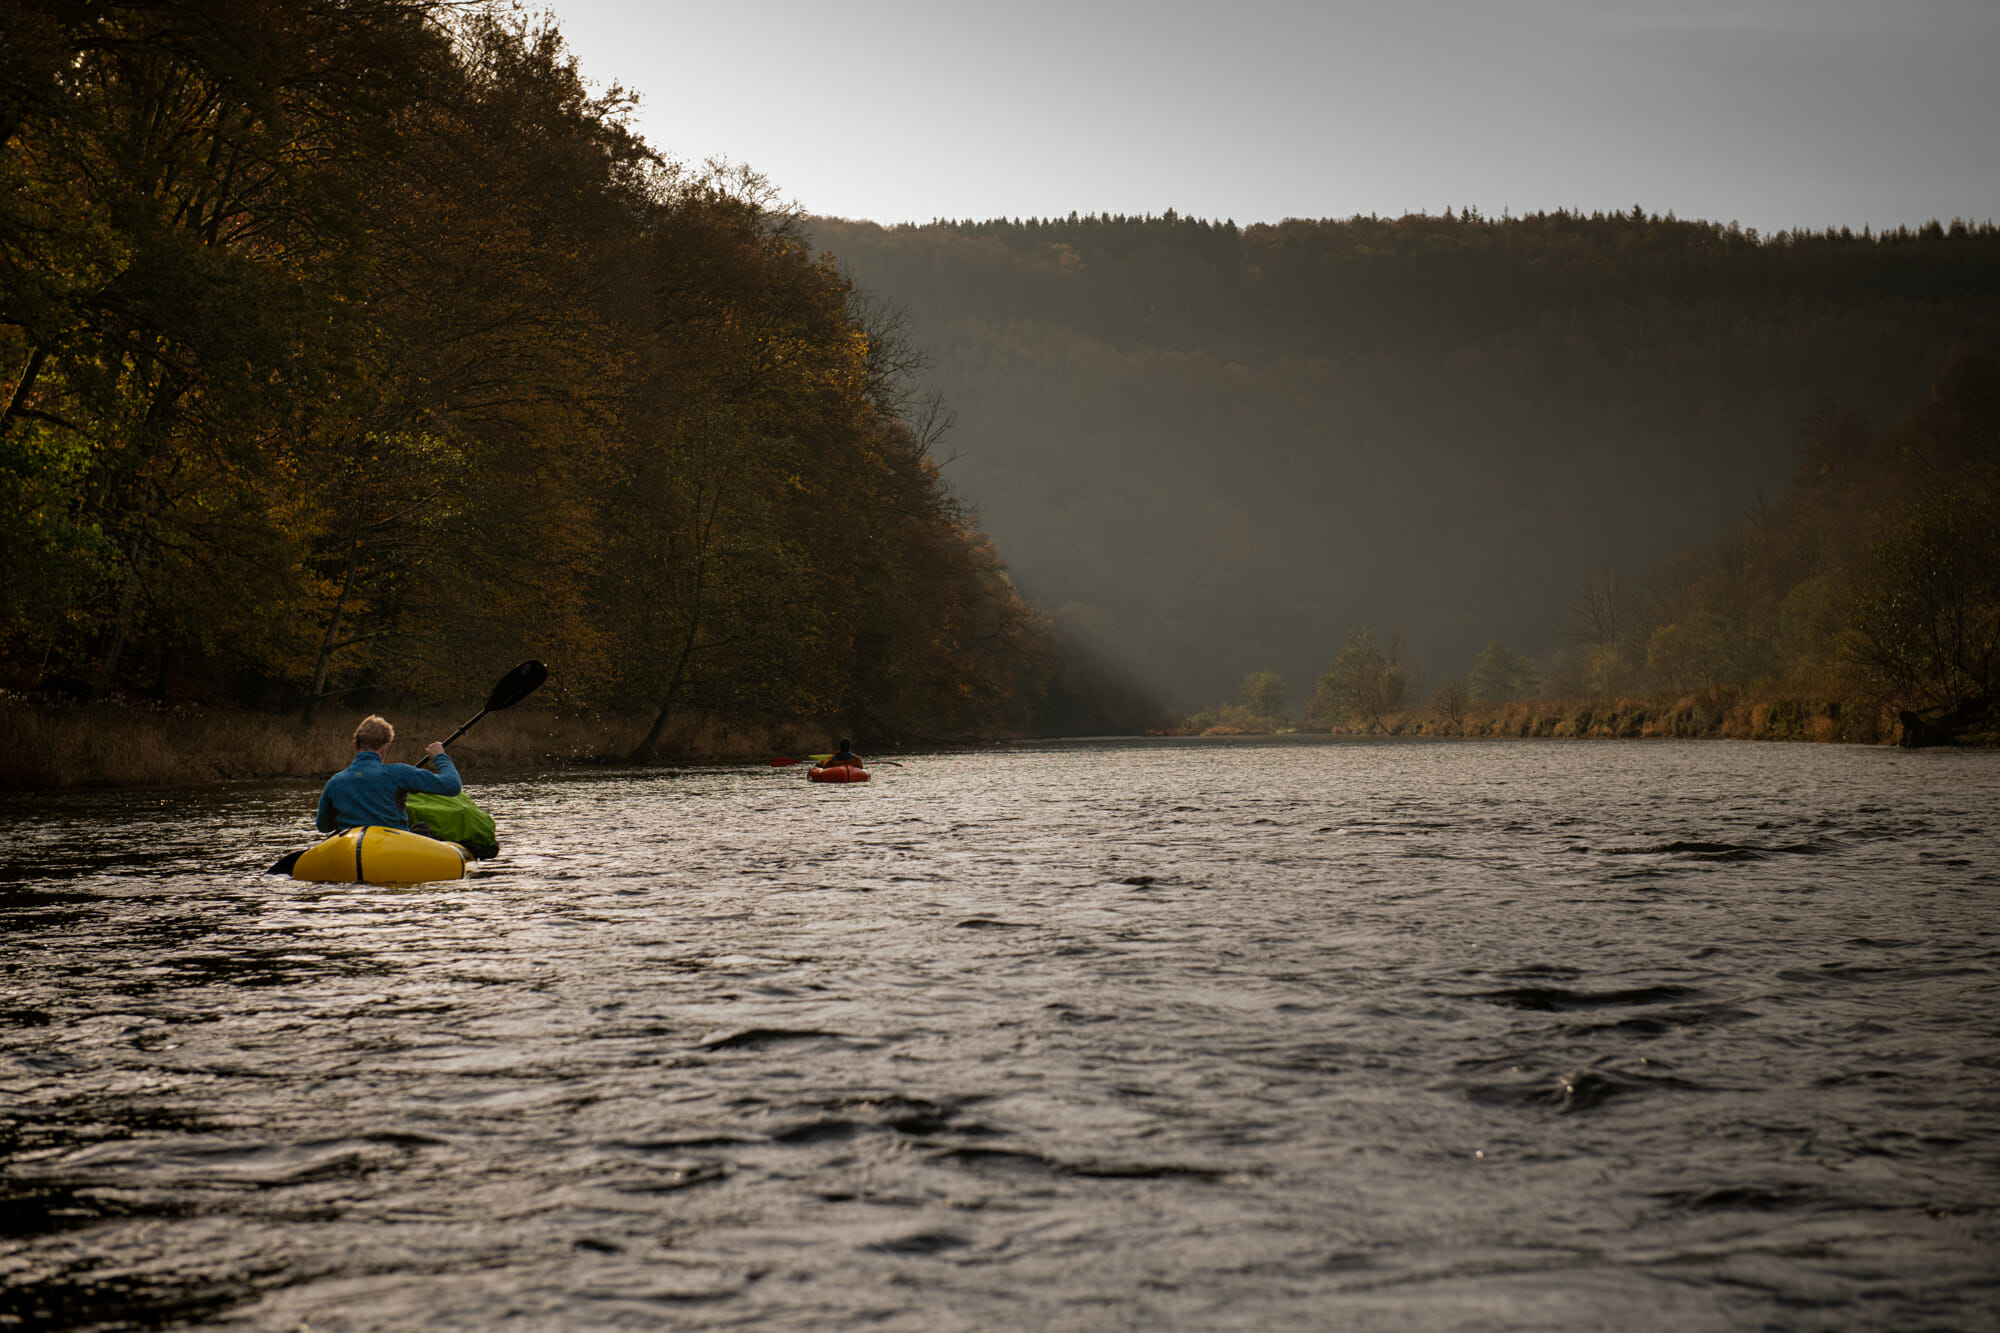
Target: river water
{"type": "Point", "coordinates": [1255, 1034]}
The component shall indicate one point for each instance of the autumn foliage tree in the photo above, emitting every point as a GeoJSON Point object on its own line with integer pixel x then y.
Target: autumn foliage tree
{"type": "Point", "coordinates": [359, 347]}
{"type": "Point", "coordinates": [1926, 626]}
{"type": "Point", "coordinates": [1498, 675]}
{"type": "Point", "coordinates": [1362, 684]}
{"type": "Point", "coordinates": [1872, 578]}
{"type": "Point", "coordinates": [1263, 693]}
{"type": "Point", "coordinates": [181, 260]}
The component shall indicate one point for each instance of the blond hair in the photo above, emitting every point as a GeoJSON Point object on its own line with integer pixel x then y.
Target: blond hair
{"type": "Point", "coordinates": [374, 733]}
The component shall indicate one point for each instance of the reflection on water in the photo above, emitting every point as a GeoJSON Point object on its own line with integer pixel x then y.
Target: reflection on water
{"type": "Point", "coordinates": [1260, 1034]}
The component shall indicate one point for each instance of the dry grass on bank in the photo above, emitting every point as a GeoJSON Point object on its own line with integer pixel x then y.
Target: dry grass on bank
{"type": "Point", "coordinates": [116, 744]}
{"type": "Point", "coordinates": [1714, 715]}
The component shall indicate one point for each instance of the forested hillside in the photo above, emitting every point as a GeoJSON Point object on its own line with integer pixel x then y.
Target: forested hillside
{"type": "Point", "coordinates": [355, 349]}
{"type": "Point", "coordinates": [1209, 450]}
{"type": "Point", "coordinates": [1874, 576]}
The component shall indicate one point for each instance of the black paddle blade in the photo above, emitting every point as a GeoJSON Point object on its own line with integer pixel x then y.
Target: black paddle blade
{"type": "Point", "coordinates": [517, 685]}
{"type": "Point", "coordinates": [285, 864]}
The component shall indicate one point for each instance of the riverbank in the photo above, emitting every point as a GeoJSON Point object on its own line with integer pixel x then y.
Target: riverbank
{"type": "Point", "coordinates": [117, 743]}
{"type": "Point", "coordinates": [1711, 715]}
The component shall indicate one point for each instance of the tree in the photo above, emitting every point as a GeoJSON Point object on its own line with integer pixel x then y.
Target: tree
{"type": "Point", "coordinates": [1353, 691]}
{"type": "Point", "coordinates": [1597, 615]}
{"type": "Point", "coordinates": [1498, 675]}
{"type": "Point", "coordinates": [179, 254]}
{"type": "Point", "coordinates": [1449, 703]}
{"type": "Point", "coordinates": [505, 258]}
{"type": "Point", "coordinates": [1927, 627]}
{"type": "Point", "coordinates": [1263, 693]}
{"type": "Point", "coordinates": [1395, 678]}
{"type": "Point", "coordinates": [329, 328]}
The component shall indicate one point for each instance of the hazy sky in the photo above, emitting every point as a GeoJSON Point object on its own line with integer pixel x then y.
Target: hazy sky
{"type": "Point", "coordinates": [1777, 113]}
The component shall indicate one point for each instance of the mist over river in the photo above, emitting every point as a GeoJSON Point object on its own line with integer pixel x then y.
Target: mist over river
{"type": "Point", "coordinates": [1280, 1033]}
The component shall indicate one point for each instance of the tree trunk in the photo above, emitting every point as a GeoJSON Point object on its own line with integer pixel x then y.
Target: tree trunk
{"type": "Point", "coordinates": [327, 640]}
{"type": "Point", "coordinates": [644, 750]}
{"type": "Point", "coordinates": [705, 527]}
{"type": "Point", "coordinates": [18, 403]}
{"type": "Point", "coordinates": [128, 606]}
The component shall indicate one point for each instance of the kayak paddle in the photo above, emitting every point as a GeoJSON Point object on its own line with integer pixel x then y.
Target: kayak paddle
{"type": "Point", "coordinates": [515, 686]}
{"type": "Point", "coordinates": [786, 762]}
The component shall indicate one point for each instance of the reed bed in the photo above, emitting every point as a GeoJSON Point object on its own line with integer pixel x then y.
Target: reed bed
{"type": "Point", "coordinates": [1711, 715]}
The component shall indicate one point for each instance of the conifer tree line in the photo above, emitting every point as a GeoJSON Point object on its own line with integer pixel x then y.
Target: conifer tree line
{"type": "Point", "coordinates": [354, 346]}
{"type": "Point", "coordinates": [1305, 286]}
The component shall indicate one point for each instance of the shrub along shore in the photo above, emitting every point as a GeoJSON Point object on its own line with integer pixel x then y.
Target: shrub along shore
{"type": "Point", "coordinates": [1712, 715]}
{"type": "Point", "coordinates": [1718, 716]}
{"type": "Point", "coordinates": [122, 744]}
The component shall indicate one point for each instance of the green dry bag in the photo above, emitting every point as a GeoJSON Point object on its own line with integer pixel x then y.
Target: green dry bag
{"type": "Point", "coordinates": [454, 819]}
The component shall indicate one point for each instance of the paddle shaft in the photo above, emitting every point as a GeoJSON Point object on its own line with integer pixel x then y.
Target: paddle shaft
{"type": "Point", "coordinates": [462, 730]}
{"type": "Point", "coordinates": [785, 761]}
{"type": "Point", "coordinates": [456, 734]}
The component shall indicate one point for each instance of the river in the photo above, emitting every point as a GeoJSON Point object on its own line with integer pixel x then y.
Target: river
{"type": "Point", "coordinates": [1280, 1033]}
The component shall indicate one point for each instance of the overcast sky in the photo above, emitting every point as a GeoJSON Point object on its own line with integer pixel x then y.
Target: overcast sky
{"type": "Point", "coordinates": [1775, 113]}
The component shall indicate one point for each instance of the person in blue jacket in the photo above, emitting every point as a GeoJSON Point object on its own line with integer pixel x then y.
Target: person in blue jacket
{"type": "Point", "coordinates": [365, 791]}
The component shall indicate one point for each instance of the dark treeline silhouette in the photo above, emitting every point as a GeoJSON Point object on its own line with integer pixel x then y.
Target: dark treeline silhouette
{"type": "Point", "coordinates": [357, 348]}
{"type": "Point", "coordinates": [1210, 450]}
{"type": "Point", "coordinates": [1305, 287]}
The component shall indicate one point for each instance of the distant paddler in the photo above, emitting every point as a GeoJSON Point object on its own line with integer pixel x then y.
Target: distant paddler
{"type": "Point", "coordinates": [841, 757]}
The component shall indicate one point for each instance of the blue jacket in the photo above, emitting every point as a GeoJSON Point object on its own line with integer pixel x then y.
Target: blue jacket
{"type": "Point", "coordinates": [365, 791]}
